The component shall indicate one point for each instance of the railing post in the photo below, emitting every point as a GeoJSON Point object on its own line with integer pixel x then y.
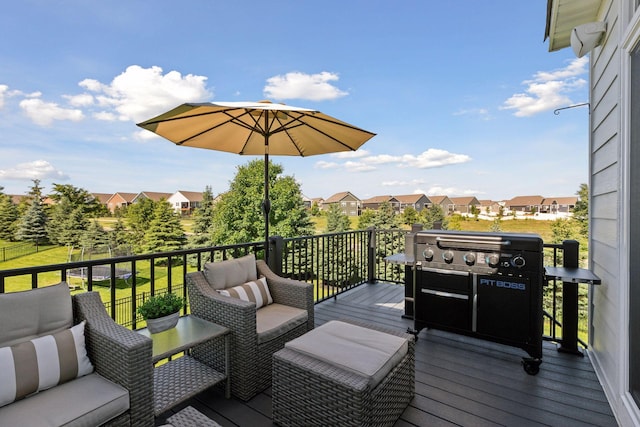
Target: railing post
{"type": "Point", "coordinates": [570, 259]}
{"type": "Point", "coordinates": [371, 256]}
{"type": "Point", "coordinates": [276, 249]}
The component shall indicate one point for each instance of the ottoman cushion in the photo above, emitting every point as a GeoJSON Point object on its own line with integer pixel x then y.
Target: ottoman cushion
{"type": "Point", "coordinates": [363, 351]}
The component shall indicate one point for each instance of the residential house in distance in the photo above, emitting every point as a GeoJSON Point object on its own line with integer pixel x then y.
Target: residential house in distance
{"type": "Point", "coordinates": [464, 205]}
{"type": "Point", "coordinates": [102, 198]}
{"type": "Point", "coordinates": [120, 200]}
{"type": "Point", "coordinates": [524, 204]}
{"type": "Point", "coordinates": [349, 204]}
{"type": "Point", "coordinates": [558, 205]}
{"type": "Point", "coordinates": [444, 202]}
{"type": "Point", "coordinates": [490, 207]}
{"type": "Point", "coordinates": [152, 195]}
{"type": "Point", "coordinates": [374, 203]}
{"type": "Point", "coordinates": [318, 201]}
{"type": "Point", "coordinates": [306, 201]}
{"type": "Point", "coordinates": [614, 187]}
{"type": "Point", "coordinates": [184, 202]}
{"type": "Point", "coordinates": [416, 201]}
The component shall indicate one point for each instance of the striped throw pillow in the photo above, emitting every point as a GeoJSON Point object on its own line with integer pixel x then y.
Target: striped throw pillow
{"type": "Point", "coordinates": [42, 363]}
{"type": "Point", "coordinates": [255, 291]}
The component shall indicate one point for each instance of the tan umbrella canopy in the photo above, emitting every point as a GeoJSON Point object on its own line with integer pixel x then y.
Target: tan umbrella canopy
{"type": "Point", "coordinates": [257, 128]}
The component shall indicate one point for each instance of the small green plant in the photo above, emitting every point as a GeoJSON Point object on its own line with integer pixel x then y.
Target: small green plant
{"type": "Point", "coordinates": [160, 305]}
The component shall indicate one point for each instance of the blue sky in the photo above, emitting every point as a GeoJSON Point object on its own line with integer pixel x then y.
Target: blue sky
{"type": "Point", "coordinates": [461, 94]}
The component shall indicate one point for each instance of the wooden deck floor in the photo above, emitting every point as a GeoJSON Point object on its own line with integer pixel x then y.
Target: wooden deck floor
{"type": "Point", "coordinates": [460, 381]}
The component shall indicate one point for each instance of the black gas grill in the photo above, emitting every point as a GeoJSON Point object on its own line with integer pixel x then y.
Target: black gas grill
{"type": "Point", "coordinates": [486, 285]}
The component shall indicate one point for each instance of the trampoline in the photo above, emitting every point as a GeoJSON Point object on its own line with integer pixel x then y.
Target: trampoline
{"type": "Point", "coordinates": [99, 273]}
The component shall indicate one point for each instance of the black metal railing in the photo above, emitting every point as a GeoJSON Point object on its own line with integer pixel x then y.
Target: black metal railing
{"type": "Point", "coordinates": [333, 263]}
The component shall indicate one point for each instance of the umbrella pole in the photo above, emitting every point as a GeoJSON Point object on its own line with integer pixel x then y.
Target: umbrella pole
{"type": "Point", "coordinates": [266, 204]}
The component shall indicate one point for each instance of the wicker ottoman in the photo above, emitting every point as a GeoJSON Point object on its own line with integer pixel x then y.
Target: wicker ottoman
{"type": "Point", "coordinates": [344, 373]}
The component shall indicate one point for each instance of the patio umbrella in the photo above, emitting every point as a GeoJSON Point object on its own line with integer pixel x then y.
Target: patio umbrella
{"type": "Point", "coordinates": [257, 128]}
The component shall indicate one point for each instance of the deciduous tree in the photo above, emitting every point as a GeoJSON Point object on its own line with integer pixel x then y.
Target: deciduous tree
{"type": "Point", "coordinates": [238, 215]}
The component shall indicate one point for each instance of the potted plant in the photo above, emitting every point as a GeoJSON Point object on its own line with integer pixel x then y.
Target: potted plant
{"type": "Point", "coordinates": [161, 311]}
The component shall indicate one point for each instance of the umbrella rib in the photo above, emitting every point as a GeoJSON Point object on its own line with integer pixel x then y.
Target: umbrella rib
{"type": "Point", "coordinates": [299, 122]}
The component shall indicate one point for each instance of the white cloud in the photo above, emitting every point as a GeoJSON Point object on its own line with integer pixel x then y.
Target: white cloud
{"type": "Point", "coordinates": [296, 85]}
{"type": "Point", "coordinates": [382, 159]}
{"type": "Point", "coordinates": [82, 100]}
{"type": "Point", "coordinates": [326, 165]}
{"type": "Point", "coordinates": [403, 183]}
{"type": "Point", "coordinates": [3, 93]}
{"type": "Point", "coordinates": [44, 113]}
{"type": "Point", "coordinates": [38, 169]}
{"type": "Point", "coordinates": [358, 166]}
{"type": "Point", "coordinates": [548, 90]}
{"type": "Point", "coordinates": [350, 154]}
{"type": "Point", "coordinates": [433, 158]}
{"type": "Point", "coordinates": [138, 93]}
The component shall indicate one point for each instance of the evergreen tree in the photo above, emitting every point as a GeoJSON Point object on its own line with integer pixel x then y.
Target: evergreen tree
{"type": "Point", "coordinates": [385, 217]}
{"type": "Point", "coordinates": [337, 221]}
{"type": "Point", "coordinates": [202, 220]}
{"type": "Point", "coordinates": [8, 217]}
{"type": "Point", "coordinates": [366, 219]}
{"type": "Point", "coordinates": [165, 231]}
{"type": "Point", "coordinates": [581, 210]}
{"type": "Point", "coordinates": [74, 228]}
{"type": "Point", "coordinates": [58, 221]}
{"type": "Point", "coordinates": [32, 226]}
{"type": "Point", "coordinates": [431, 215]}
{"type": "Point", "coordinates": [139, 216]}
{"type": "Point", "coordinates": [94, 235]}
{"type": "Point", "coordinates": [238, 215]}
{"type": "Point", "coordinates": [410, 216]}
{"type": "Point", "coordinates": [119, 235]}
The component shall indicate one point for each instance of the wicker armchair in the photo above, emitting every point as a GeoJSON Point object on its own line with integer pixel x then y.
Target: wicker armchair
{"type": "Point", "coordinates": [251, 350]}
{"type": "Point", "coordinates": [120, 355]}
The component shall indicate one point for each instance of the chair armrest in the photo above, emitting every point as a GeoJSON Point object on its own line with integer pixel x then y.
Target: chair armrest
{"type": "Point", "coordinates": [294, 293]}
{"type": "Point", "coordinates": [118, 354]}
{"type": "Point", "coordinates": [206, 303]}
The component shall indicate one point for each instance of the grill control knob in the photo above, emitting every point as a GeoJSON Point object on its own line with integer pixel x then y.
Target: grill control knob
{"type": "Point", "coordinates": [493, 260]}
{"type": "Point", "coordinates": [427, 254]}
{"type": "Point", "coordinates": [518, 261]}
{"type": "Point", "coordinates": [470, 258]}
{"type": "Point", "coordinates": [447, 256]}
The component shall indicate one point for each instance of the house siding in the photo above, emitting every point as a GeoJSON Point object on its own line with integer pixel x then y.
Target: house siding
{"type": "Point", "coordinates": [608, 181]}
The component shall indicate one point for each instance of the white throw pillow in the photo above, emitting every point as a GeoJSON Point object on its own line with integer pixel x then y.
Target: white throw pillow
{"type": "Point", "coordinates": [255, 291]}
{"type": "Point", "coordinates": [42, 363]}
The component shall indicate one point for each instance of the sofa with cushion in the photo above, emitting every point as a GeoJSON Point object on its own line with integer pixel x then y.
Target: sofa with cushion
{"type": "Point", "coordinates": [262, 310]}
{"type": "Point", "coordinates": [65, 362]}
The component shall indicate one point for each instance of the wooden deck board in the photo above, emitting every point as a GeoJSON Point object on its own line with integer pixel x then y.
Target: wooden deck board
{"type": "Point", "coordinates": [460, 380]}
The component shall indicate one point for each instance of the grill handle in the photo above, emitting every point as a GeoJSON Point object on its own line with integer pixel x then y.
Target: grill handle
{"type": "Point", "coordinates": [471, 242]}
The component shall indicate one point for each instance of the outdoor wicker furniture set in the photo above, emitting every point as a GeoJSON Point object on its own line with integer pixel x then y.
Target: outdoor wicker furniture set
{"type": "Point", "coordinates": [256, 333]}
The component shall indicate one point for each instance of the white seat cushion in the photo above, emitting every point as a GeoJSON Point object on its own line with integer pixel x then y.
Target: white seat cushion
{"type": "Point", "coordinates": [363, 351]}
{"type": "Point", "coordinates": [86, 401]}
{"type": "Point", "coordinates": [275, 319]}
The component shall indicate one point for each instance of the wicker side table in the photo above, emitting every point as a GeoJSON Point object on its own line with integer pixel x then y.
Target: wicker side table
{"type": "Point", "coordinates": [310, 392]}
{"type": "Point", "coordinates": [182, 378]}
